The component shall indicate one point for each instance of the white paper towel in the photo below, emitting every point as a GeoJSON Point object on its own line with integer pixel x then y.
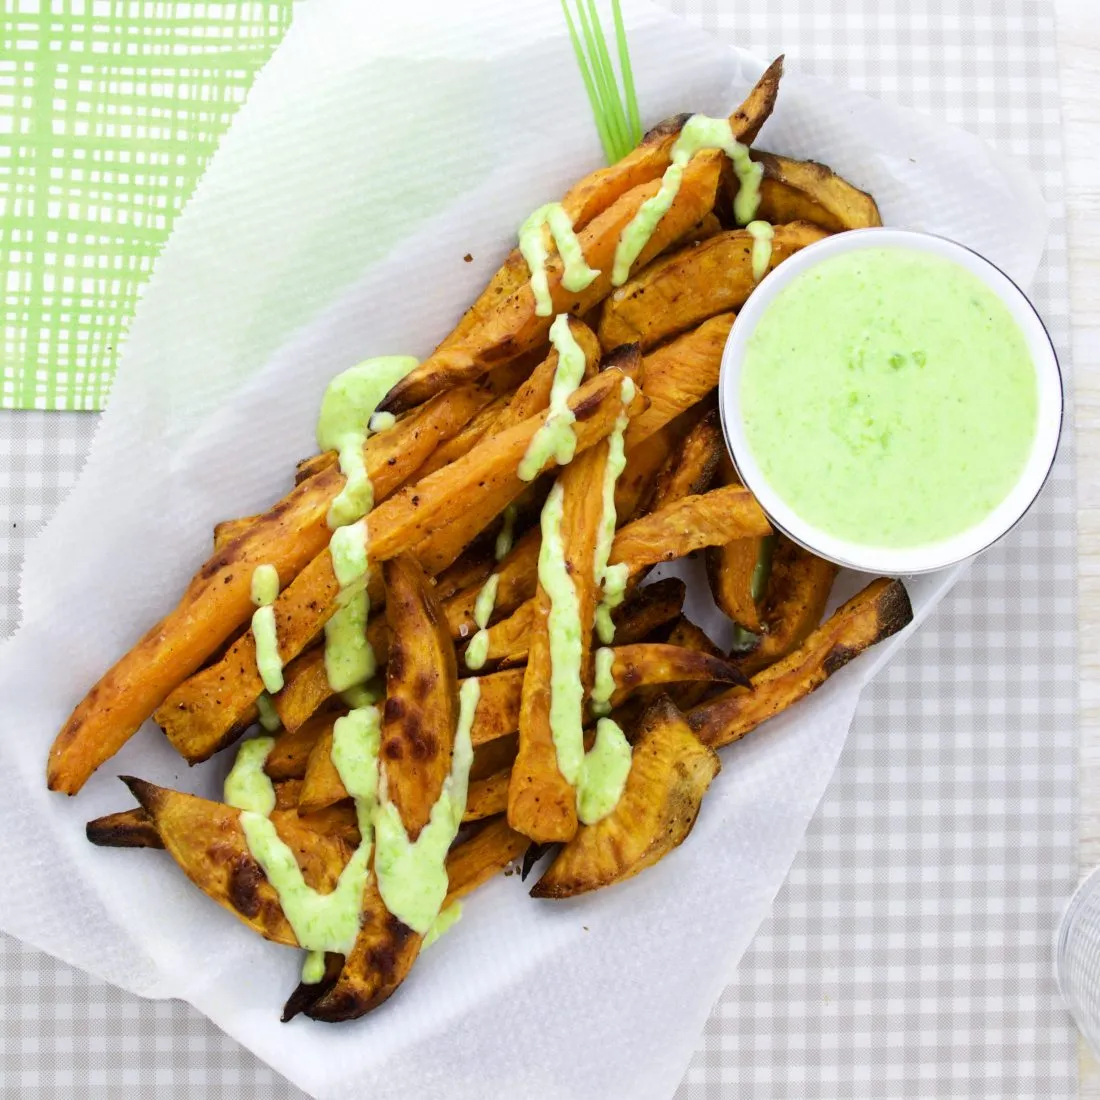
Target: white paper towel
{"type": "Point", "coordinates": [376, 150]}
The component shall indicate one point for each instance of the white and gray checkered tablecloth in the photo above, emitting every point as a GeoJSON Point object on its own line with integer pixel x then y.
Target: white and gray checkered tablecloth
{"type": "Point", "coordinates": [909, 953]}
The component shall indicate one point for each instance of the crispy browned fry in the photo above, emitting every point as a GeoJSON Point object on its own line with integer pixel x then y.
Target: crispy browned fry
{"type": "Point", "coordinates": [488, 796]}
{"type": "Point", "coordinates": [286, 793]}
{"type": "Point", "coordinates": [498, 705]}
{"type": "Point", "coordinates": [644, 461]}
{"type": "Point", "coordinates": [472, 567]}
{"type": "Point", "coordinates": [322, 786]}
{"type": "Point", "coordinates": [687, 287]}
{"type": "Point", "coordinates": [794, 601]}
{"type": "Point", "coordinates": [288, 756]}
{"type": "Point", "coordinates": [474, 432]}
{"type": "Point", "coordinates": [218, 599]}
{"type": "Point", "coordinates": [542, 803]}
{"type": "Point", "coordinates": [125, 829]}
{"type": "Point", "coordinates": [880, 610]}
{"type": "Point", "coordinates": [650, 663]}
{"type": "Point", "coordinates": [688, 524]}
{"type": "Point", "coordinates": [206, 840]}
{"type": "Point", "coordinates": [476, 860]}
{"type": "Point", "coordinates": [209, 710]}
{"type": "Point", "coordinates": [647, 609]}
{"type": "Point", "coordinates": [803, 190]}
{"type": "Point", "coordinates": [598, 190]}
{"type": "Point", "coordinates": [229, 529]}
{"type": "Point", "coordinates": [679, 375]}
{"type": "Point", "coordinates": [305, 688]}
{"type": "Point", "coordinates": [731, 569]}
{"type": "Point", "coordinates": [421, 711]}
{"type": "Point", "coordinates": [494, 756]}
{"type": "Point", "coordinates": [512, 327]}
{"type": "Point", "coordinates": [690, 470]}
{"type": "Point", "coordinates": [685, 633]}
{"type": "Point", "coordinates": [669, 773]}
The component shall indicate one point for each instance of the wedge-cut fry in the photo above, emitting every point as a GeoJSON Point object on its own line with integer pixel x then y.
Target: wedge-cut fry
{"type": "Point", "coordinates": [650, 663]}
{"type": "Point", "coordinates": [494, 756]}
{"type": "Point", "coordinates": [125, 829]}
{"type": "Point", "coordinates": [476, 860]}
{"type": "Point", "coordinates": [598, 190]}
{"type": "Point", "coordinates": [322, 786]}
{"type": "Point", "coordinates": [305, 688]}
{"type": "Point", "coordinates": [880, 610]}
{"type": "Point", "coordinates": [287, 792]}
{"type": "Point", "coordinates": [384, 952]}
{"type": "Point", "coordinates": [230, 529]}
{"type": "Point", "coordinates": [421, 711]}
{"type": "Point", "coordinates": [798, 590]}
{"type": "Point", "coordinates": [669, 774]}
{"type": "Point", "coordinates": [690, 523]}
{"type": "Point", "coordinates": [542, 803]}
{"type": "Point", "coordinates": [690, 470]}
{"type": "Point", "coordinates": [209, 711]}
{"type": "Point", "coordinates": [731, 569]}
{"type": "Point", "coordinates": [487, 797]}
{"type": "Point", "coordinates": [686, 634]}
{"type": "Point", "coordinates": [206, 840]}
{"type": "Point", "coordinates": [498, 706]}
{"type": "Point", "coordinates": [513, 327]}
{"type": "Point", "coordinates": [690, 286]}
{"type": "Point", "coordinates": [339, 821]}
{"type": "Point", "coordinates": [644, 462]}
{"type": "Point", "coordinates": [679, 374]}
{"type": "Point", "coordinates": [647, 609]}
{"type": "Point", "coordinates": [803, 190]}
{"type": "Point", "coordinates": [288, 756]}
{"type": "Point", "coordinates": [218, 599]}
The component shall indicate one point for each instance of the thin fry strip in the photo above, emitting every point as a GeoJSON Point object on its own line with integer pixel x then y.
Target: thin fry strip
{"type": "Point", "coordinates": [212, 709]}
{"type": "Point", "coordinates": [218, 600]}
{"type": "Point", "coordinates": [880, 610]}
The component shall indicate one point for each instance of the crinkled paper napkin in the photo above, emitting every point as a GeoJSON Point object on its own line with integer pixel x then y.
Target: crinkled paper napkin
{"type": "Point", "coordinates": [377, 150]}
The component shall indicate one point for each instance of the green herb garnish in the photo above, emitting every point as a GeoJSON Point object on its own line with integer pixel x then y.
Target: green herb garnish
{"type": "Point", "coordinates": [612, 95]}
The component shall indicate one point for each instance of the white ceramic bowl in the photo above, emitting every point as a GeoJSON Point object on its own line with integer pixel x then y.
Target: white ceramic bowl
{"type": "Point", "coordinates": [889, 560]}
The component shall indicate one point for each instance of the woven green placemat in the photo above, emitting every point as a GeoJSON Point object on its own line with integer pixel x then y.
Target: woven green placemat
{"type": "Point", "coordinates": [109, 112]}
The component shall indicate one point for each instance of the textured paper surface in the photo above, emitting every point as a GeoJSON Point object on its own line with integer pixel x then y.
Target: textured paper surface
{"type": "Point", "coordinates": [267, 289]}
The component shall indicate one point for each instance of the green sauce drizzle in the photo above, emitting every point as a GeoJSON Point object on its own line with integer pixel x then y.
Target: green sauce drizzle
{"type": "Point", "coordinates": [478, 648]}
{"type": "Point", "coordinates": [313, 969]}
{"type": "Point", "coordinates": [412, 875]}
{"type": "Point", "coordinates": [247, 786]}
{"type": "Point", "coordinates": [265, 590]}
{"type": "Point", "coordinates": [532, 244]}
{"type": "Point", "coordinates": [611, 578]}
{"type": "Point", "coordinates": [556, 436]}
{"type": "Point", "coordinates": [762, 234]}
{"type": "Point", "coordinates": [699, 133]}
{"type": "Point", "coordinates": [267, 715]}
{"type": "Point", "coordinates": [349, 658]}
{"type": "Point", "coordinates": [381, 422]}
{"type": "Point", "coordinates": [346, 410]}
{"type": "Point", "coordinates": [603, 773]}
{"type": "Point", "coordinates": [506, 535]}
{"type": "Point", "coordinates": [446, 920]}
{"type": "Point", "coordinates": [603, 683]}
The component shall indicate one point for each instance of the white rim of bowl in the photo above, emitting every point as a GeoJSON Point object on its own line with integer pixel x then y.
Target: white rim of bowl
{"type": "Point", "coordinates": [881, 559]}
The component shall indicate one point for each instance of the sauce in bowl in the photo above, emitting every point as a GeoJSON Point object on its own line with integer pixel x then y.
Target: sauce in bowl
{"type": "Point", "coordinates": [891, 406]}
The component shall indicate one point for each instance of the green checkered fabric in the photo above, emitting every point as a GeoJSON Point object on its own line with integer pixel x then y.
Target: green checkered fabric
{"type": "Point", "coordinates": [109, 113]}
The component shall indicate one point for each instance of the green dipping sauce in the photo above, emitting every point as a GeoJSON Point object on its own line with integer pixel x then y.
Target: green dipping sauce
{"type": "Point", "coordinates": [889, 398]}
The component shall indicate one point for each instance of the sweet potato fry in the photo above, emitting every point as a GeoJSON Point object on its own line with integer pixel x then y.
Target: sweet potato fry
{"type": "Point", "coordinates": [494, 756]}
{"type": "Point", "coordinates": [206, 840]}
{"type": "Point", "coordinates": [469, 570]}
{"type": "Point", "coordinates": [803, 190]}
{"type": "Point", "coordinates": [647, 609]}
{"type": "Point", "coordinates": [287, 792]}
{"type": "Point", "coordinates": [644, 462]}
{"type": "Point", "coordinates": [669, 774]}
{"type": "Point", "coordinates": [880, 610]}
{"type": "Point", "coordinates": [321, 786]}
{"type": "Point", "coordinates": [125, 829]}
{"type": "Point", "coordinates": [477, 859]}
{"type": "Point", "coordinates": [230, 529]}
{"type": "Point", "coordinates": [288, 756]}
{"type": "Point", "coordinates": [211, 709]}
{"type": "Point", "coordinates": [731, 569]}
{"type": "Point", "coordinates": [218, 599]}
{"type": "Point", "coordinates": [513, 327]}
{"type": "Point", "coordinates": [680, 374]}
{"type": "Point", "coordinates": [686, 634]}
{"type": "Point", "coordinates": [421, 711]}
{"type": "Point", "coordinates": [542, 803]}
{"type": "Point", "coordinates": [498, 707]}
{"type": "Point", "coordinates": [305, 688]}
{"type": "Point", "coordinates": [690, 470]}
{"type": "Point", "coordinates": [798, 590]}
{"type": "Point", "coordinates": [688, 287]}
{"type": "Point", "coordinates": [651, 663]}
{"type": "Point", "coordinates": [487, 797]}
{"type": "Point", "coordinates": [600, 189]}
